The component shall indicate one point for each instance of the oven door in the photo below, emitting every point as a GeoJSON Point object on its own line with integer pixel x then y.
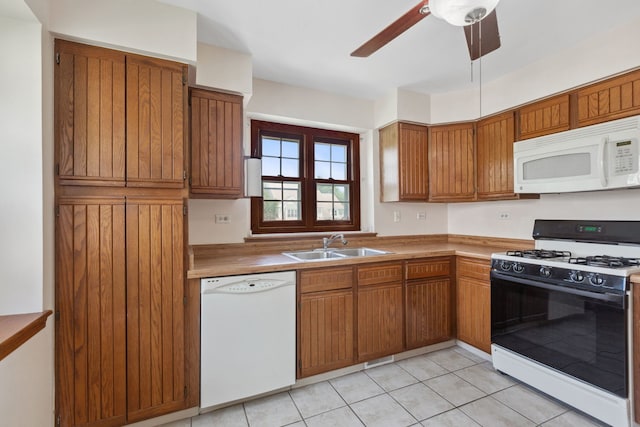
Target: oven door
{"type": "Point", "coordinates": [579, 333]}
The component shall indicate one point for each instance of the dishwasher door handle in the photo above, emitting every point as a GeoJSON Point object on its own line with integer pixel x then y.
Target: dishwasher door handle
{"type": "Point", "coordinates": [248, 286]}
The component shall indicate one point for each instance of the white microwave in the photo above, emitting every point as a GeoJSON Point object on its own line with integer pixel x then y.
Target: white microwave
{"type": "Point", "coordinates": [598, 157]}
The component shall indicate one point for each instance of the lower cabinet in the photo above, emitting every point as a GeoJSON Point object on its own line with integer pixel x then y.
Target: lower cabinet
{"type": "Point", "coordinates": [380, 310]}
{"type": "Point", "coordinates": [120, 310]}
{"type": "Point", "coordinates": [635, 291]}
{"type": "Point", "coordinates": [429, 300]}
{"type": "Point", "coordinates": [325, 320]}
{"type": "Point", "coordinates": [474, 303]}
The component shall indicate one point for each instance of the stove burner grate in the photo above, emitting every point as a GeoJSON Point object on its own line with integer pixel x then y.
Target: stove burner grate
{"type": "Point", "coordinates": [539, 254]}
{"type": "Point", "coordinates": [606, 261]}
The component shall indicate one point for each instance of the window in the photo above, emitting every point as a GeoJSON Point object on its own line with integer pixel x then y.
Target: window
{"type": "Point", "coordinates": [310, 179]}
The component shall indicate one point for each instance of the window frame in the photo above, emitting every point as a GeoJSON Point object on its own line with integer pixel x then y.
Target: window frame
{"type": "Point", "coordinates": [308, 136]}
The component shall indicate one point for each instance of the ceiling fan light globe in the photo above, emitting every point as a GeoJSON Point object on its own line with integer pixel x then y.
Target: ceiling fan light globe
{"type": "Point", "coordinates": [462, 12]}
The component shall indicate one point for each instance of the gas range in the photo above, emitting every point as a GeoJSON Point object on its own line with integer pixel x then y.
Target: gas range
{"type": "Point", "coordinates": [587, 255]}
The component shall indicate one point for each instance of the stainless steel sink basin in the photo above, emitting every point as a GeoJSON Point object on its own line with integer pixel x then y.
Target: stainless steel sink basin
{"type": "Point", "coordinates": [321, 254]}
{"type": "Point", "coordinates": [351, 252]}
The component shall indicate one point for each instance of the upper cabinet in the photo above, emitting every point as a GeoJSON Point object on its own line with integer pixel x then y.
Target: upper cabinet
{"type": "Point", "coordinates": [544, 117]}
{"type": "Point", "coordinates": [495, 137]}
{"type": "Point", "coordinates": [403, 163]}
{"type": "Point", "coordinates": [119, 118]}
{"type": "Point", "coordinates": [611, 99]}
{"type": "Point", "coordinates": [451, 163]}
{"type": "Point", "coordinates": [156, 108]}
{"type": "Point", "coordinates": [90, 115]}
{"type": "Point", "coordinates": [216, 145]}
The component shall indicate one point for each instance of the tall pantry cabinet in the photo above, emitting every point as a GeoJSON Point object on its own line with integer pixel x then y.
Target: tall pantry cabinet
{"type": "Point", "coordinates": [120, 236]}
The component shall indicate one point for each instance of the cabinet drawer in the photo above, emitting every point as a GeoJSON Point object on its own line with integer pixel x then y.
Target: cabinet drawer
{"type": "Point", "coordinates": [433, 267]}
{"type": "Point", "coordinates": [325, 279]}
{"type": "Point", "coordinates": [379, 273]}
{"type": "Point", "coordinates": [474, 268]}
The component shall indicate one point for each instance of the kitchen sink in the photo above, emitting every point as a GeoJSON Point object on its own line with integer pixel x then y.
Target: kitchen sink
{"type": "Point", "coordinates": [322, 254]}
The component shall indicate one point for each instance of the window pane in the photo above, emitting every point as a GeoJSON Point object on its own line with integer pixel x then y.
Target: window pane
{"type": "Point", "coordinates": [291, 148]}
{"type": "Point", "coordinates": [292, 211]}
{"type": "Point", "coordinates": [338, 153]}
{"type": "Point", "coordinates": [270, 146]}
{"type": "Point", "coordinates": [323, 211]}
{"type": "Point", "coordinates": [291, 191]}
{"type": "Point", "coordinates": [322, 170]}
{"type": "Point", "coordinates": [322, 151]}
{"type": "Point", "coordinates": [290, 168]}
{"type": "Point", "coordinates": [339, 171]}
{"type": "Point", "coordinates": [341, 193]}
{"type": "Point", "coordinates": [271, 190]}
{"type": "Point", "coordinates": [272, 211]}
{"type": "Point", "coordinates": [270, 166]}
{"type": "Point", "coordinates": [332, 202]}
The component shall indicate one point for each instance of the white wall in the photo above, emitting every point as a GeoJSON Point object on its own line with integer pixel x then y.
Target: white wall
{"type": "Point", "coordinates": [21, 212]}
{"type": "Point", "coordinates": [143, 26]}
{"type": "Point", "coordinates": [224, 69]}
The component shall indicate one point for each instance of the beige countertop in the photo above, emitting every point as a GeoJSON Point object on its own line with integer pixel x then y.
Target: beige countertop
{"type": "Point", "coordinates": [227, 265]}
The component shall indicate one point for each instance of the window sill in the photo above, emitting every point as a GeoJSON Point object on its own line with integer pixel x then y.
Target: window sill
{"type": "Point", "coordinates": [16, 329]}
{"type": "Point", "coordinates": [278, 237]}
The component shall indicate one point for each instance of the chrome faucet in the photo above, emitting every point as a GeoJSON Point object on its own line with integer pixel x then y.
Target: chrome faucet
{"type": "Point", "coordinates": [326, 241]}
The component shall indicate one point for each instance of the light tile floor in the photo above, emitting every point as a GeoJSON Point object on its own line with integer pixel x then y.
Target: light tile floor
{"type": "Point", "coordinates": [446, 388]}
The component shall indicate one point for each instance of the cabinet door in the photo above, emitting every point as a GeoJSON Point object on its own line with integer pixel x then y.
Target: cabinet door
{"type": "Point", "coordinates": [216, 144]}
{"type": "Point", "coordinates": [326, 331]}
{"type": "Point", "coordinates": [611, 99]}
{"type": "Point", "coordinates": [474, 313]}
{"type": "Point", "coordinates": [495, 157]}
{"type": "Point", "coordinates": [451, 163]}
{"type": "Point", "coordinates": [544, 117]}
{"type": "Point", "coordinates": [428, 311]}
{"type": "Point", "coordinates": [89, 115]}
{"type": "Point", "coordinates": [90, 304]}
{"type": "Point", "coordinates": [156, 107]}
{"type": "Point", "coordinates": [155, 307]}
{"type": "Point", "coordinates": [380, 321]}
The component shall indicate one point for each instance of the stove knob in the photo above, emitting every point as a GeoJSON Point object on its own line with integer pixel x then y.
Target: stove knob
{"type": "Point", "coordinates": [518, 268]}
{"type": "Point", "coordinates": [545, 271]}
{"type": "Point", "coordinates": [505, 265]}
{"type": "Point", "coordinates": [596, 279]}
{"type": "Point", "coordinates": [576, 276]}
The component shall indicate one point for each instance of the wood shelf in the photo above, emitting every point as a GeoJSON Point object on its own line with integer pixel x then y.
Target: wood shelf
{"type": "Point", "coordinates": [16, 329]}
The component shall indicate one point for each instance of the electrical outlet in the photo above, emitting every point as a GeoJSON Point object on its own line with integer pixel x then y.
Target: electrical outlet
{"type": "Point", "coordinates": [223, 219]}
{"type": "Point", "coordinates": [421, 216]}
{"type": "Point", "coordinates": [504, 215]}
{"type": "Point", "coordinates": [396, 216]}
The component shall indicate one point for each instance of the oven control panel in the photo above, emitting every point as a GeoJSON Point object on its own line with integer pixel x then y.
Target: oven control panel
{"type": "Point", "coordinates": [567, 276]}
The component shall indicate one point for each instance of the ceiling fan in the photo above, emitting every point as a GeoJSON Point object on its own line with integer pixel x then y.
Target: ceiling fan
{"type": "Point", "coordinates": [474, 15]}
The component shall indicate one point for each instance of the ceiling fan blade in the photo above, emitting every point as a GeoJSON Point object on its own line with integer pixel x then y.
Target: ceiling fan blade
{"type": "Point", "coordinates": [490, 37]}
{"type": "Point", "coordinates": [396, 28]}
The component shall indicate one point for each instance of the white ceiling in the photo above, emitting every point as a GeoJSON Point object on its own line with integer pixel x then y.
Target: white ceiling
{"type": "Point", "coordinates": [307, 42]}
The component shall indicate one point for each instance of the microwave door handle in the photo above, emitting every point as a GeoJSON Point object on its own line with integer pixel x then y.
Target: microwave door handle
{"type": "Point", "coordinates": [602, 163]}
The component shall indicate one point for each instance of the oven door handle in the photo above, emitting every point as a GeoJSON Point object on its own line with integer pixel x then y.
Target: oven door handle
{"type": "Point", "coordinates": [614, 298]}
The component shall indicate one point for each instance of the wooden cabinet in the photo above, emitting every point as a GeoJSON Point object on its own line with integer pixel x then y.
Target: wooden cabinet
{"type": "Point", "coordinates": [495, 137]}
{"type": "Point", "coordinates": [636, 350]}
{"type": "Point", "coordinates": [429, 300]}
{"type": "Point", "coordinates": [610, 99]}
{"type": "Point", "coordinates": [380, 316]}
{"type": "Point", "coordinates": [544, 117]}
{"type": "Point", "coordinates": [90, 115]}
{"type": "Point", "coordinates": [474, 302]}
{"type": "Point", "coordinates": [403, 163]}
{"type": "Point", "coordinates": [451, 163]}
{"type": "Point", "coordinates": [325, 320]}
{"type": "Point", "coordinates": [216, 145]}
{"type": "Point", "coordinates": [155, 307]}
{"type": "Point", "coordinates": [156, 113]}
{"type": "Point", "coordinates": [117, 112]}
{"type": "Point", "coordinates": [90, 309]}
{"type": "Point", "coordinates": [120, 307]}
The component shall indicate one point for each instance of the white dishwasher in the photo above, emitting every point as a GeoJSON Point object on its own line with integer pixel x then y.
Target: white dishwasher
{"type": "Point", "coordinates": [247, 336]}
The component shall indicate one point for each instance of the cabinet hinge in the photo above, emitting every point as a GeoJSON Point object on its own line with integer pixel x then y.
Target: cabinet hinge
{"type": "Point", "coordinates": [184, 210]}
{"type": "Point", "coordinates": [299, 364]}
{"type": "Point", "coordinates": [184, 300]}
{"type": "Point", "coordinates": [58, 420]}
{"type": "Point", "coordinates": [58, 58]}
{"type": "Point", "coordinates": [184, 175]}
{"type": "Point", "coordinates": [58, 169]}
{"type": "Point", "coordinates": [57, 211]}
{"type": "Point", "coordinates": [184, 79]}
{"type": "Point", "coordinates": [58, 318]}
{"type": "Point", "coordinates": [185, 392]}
